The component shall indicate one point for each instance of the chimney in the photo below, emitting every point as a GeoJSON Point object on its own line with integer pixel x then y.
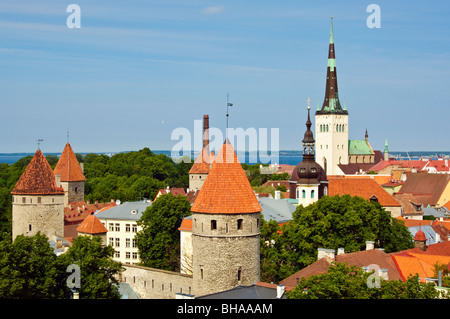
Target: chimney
{"type": "Point", "coordinates": [82, 167]}
{"type": "Point", "coordinates": [341, 251]}
{"type": "Point", "coordinates": [79, 209]}
{"type": "Point", "coordinates": [370, 245]}
{"type": "Point", "coordinates": [206, 133]}
{"type": "Point", "coordinates": [280, 291]}
{"type": "Point", "coordinates": [323, 252]}
{"type": "Point", "coordinates": [88, 202]}
{"type": "Point", "coordinates": [277, 195]}
{"type": "Point", "coordinates": [438, 238]}
{"type": "Point", "coordinates": [58, 180]}
{"type": "Point", "coordinates": [384, 273]}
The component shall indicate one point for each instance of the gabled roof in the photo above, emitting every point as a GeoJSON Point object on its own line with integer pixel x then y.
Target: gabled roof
{"type": "Point", "coordinates": [173, 191]}
{"type": "Point", "coordinates": [37, 179]}
{"type": "Point", "coordinates": [226, 190]}
{"type": "Point", "coordinates": [362, 187]}
{"type": "Point", "coordinates": [410, 264]}
{"type": "Point", "coordinates": [125, 211]}
{"type": "Point", "coordinates": [359, 147]}
{"type": "Point", "coordinates": [91, 225]}
{"type": "Point", "coordinates": [68, 166]}
{"type": "Point", "coordinates": [426, 184]}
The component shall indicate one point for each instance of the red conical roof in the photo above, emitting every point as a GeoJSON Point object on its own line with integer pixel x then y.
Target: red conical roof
{"type": "Point", "coordinates": [91, 225]}
{"type": "Point", "coordinates": [37, 179]}
{"type": "Point", "coordinates": [226, 190]}
{"type": "Point", "coordinates": [68, 166]}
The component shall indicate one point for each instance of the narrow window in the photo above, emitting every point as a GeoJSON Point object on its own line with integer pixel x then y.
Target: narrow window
{"type": "Point", "coordinates": [29, 227]}
{"type": "Point", "coordinates": [39, 200]}
{"type": "Point", "coordinates": [24, 200]}
{"type": "Point", "coordinates": [213, 224]}
{"type": "Point", "coordinates": [312, 194]}
{"type": "Point", "coordinates": [239, 274]}
{"type": "Point", "coordinates": [303, 194]}
{"type": "Point", "coordinates": [240, 223]}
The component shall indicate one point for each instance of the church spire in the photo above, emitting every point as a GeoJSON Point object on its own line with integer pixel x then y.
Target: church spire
{"type": "Point", "coordinates": [331, 103]}
{"type": "Point", "coordinates": [308, 139]}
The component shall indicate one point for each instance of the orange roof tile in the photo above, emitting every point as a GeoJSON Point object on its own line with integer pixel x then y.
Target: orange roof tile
{"type": "Point", "coordinates": [202, 163]}
{"type": "Point", "coordinates": [186, 224]}
{"type": "Point", "coordinates": [410, 264]}
{"type": "Point", "coordinates": [362, 187]}
{"type": "Point", "coordinates": [91, 225]}
{"type": "Point", "coordinates": [226, 190]}
{"type": "Point", "coordinates": [68, 166]}
{"type": "Point", "coordinates": [37, 179]}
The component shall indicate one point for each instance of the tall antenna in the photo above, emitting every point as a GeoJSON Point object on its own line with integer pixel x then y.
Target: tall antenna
{"type": "Point", "coordinates": [39, 142]}
{"type": "Point", "coordinates": [228, 104]}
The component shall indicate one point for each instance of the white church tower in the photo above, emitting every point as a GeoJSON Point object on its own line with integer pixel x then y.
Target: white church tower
{"type": "Point", "coordinates": [331, 122]}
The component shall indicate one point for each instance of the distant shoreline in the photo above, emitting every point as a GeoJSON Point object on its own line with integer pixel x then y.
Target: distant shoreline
{"type": "Point", "coordinates": [286, 157]}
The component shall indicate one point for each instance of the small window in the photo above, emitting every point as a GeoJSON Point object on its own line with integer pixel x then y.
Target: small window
{"type": "Point", "coordinates": [303, 194]}
{"type": "Point", "coordinates": [312, 194]}
{"type": "Point", "coordinates": [39, 200]}
{"type": "Point", "coordinates": [24, 200]}
{"type": "Point", "coordinates": [240, 223]}
{"type": "Point", "coordinates": [213, 224]}
{"type": "Point", "coordinates": [29, 227]}
{"type": "Point", "coordinates": [239, 274]}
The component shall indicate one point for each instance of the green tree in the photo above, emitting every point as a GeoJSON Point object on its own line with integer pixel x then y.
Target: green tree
{"type": "Point", "coordinates": [159, 240]}
{"type": "Point", "coordinates": [350, 282]}
{"type": "Point", "coordinates": [341, 221]}
{"type": "Point", "coordinates": [30, 269]}
{"type": "Point", "coordinates": [98, 269]}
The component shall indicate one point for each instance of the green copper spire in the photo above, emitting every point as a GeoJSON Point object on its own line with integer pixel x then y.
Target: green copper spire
{"type": "Point", "coordinates": [386, 150]}
{"type": "Point", "coordinates": [331, 103]}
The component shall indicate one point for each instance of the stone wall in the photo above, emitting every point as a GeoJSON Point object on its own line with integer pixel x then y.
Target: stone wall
{"type": "Point", "coordinates": [226, 251]}
{"type": "Point", "coordinates": [151, 283]}
{"type": "Point", "coordinates": [33, 213]}
{"type": "Point", "coordinates": [74, 191]}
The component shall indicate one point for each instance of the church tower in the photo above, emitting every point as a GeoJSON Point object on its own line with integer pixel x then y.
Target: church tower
{"type": "Point", "coordinates": [72, 177]}
{"type": "Point", "coordinates": [38, 201]}
{"type": "Point", "coordinates": [331, 121]}
{"type": "Point", "coordinates": [225, 228]}
{"type": "Point", "coordinates": [308, 181]}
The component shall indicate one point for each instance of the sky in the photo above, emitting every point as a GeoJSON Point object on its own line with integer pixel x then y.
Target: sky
{"type": "Point", "coordinates": [135, 71]}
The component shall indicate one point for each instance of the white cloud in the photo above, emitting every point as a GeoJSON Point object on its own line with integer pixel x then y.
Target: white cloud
{"type": "Point", "coordinates": [213, 10]}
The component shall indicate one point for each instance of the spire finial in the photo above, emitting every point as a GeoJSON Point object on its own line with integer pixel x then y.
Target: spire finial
{"type": "Point", "coordinates": [228, 104]}
{"type": "Point", "coordinates": [39, 143]}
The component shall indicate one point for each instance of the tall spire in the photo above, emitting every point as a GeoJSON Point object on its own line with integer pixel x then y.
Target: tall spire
{"type": "Point", "coordinates": [308, 139]}
{"type": "Point", "coordinates": [331, 103]}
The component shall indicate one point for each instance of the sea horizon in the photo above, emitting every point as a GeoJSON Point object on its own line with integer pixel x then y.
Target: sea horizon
{"type": "Point", "coordinates": [284, 157]}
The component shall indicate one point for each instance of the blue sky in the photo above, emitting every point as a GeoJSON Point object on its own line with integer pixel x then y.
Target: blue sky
{"type": "Point", "coordinates": [137, 70]}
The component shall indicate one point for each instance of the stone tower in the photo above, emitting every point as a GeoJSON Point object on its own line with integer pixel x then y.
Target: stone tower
{"type": "Point", "coordinates": [72, 177]}
{"type": "Point", "coordinates": [38, 201]}
{"type": "Point", "coordinates": [331, 121]}
{"type": "Point", "coordinates": [308, 181]}
{"type": "Point", "coordinates": [225, 228]}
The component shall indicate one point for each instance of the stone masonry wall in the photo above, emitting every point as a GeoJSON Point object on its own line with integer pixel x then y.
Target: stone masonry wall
{"type": "Point", "coordinates": [151, 283]}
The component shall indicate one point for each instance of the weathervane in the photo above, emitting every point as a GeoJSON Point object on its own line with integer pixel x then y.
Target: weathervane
{"type": "Point", "coordinates": [39, 142]}
{"type": "Point", "coordinates": [228, 104]}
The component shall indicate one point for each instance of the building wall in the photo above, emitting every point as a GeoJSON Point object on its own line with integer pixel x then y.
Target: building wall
{"type": "Point", "coordinates": [394, 211]}
{"type": "Point", "coordinates": [151, 283]}
{"type": "Point", "coordinates": [225, 255]}
{"type": "Point", "coordinates": [331, 144]}
{"type": "Point", "coordinates": [196, 181]}
{"type": "Point", "coordinates": [445, 196]}
{"type": "Point", "coordinates": [186, 253]}
{"type": "Point", "coordinates": [308, 199]}
{"type": "Point", "coordinates": [121, 236]}
{"type": "Point", "coordinates": [32, 213]}
{"type": "Point", "coordinates": [74, 192]}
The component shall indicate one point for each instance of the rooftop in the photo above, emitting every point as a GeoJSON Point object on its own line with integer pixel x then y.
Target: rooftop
{"type": "Point", "coordinates": [68, 166]}
{"type": "Point", "coordinates": [226, 190]}
{"type": "Point", "coordinates": [125, 211]}
{"type": "Point", "coordinates": [37, 179]}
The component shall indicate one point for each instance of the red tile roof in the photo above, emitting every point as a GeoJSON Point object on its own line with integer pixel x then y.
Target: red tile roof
{"type": "Point", "coordinates": [186, 225]}
{"type": "Point", "coordinates": [173, 191]}
{"type": "Point", "coordinates": [37, 179]}
{"type": "Point", "coordinates": [362, 187]}
{"type": "Point", "coordinates": [202, 163]}
{"type": "Point", "coordinates": [91, 225]}
{"type": "Point", "coordinates": [431, 185]}
{"type": "Point", "coordinates": [226, 190]}
{"type": "Point", "coordinates": [76, 212]}
{"type": "Point", "coordinates": [68, 166]}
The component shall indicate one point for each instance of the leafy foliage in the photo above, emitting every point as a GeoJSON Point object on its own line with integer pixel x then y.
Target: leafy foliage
{"type": "Point", "coordinates": [132, 176]}
{"type": "Point", "coordinates": [350, 282]}
{"type": "Point", "coordinates": [29, 269]}
{"type": "Point", "coordinates": [159, 240]}
{"type": "Point", "coordinates": [331, 222]}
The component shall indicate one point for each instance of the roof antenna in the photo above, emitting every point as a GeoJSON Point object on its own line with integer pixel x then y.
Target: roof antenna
{"type": "Point", "coordinates": [39, 142]}
{"type": "Point", "coordinates": [228, 104]}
